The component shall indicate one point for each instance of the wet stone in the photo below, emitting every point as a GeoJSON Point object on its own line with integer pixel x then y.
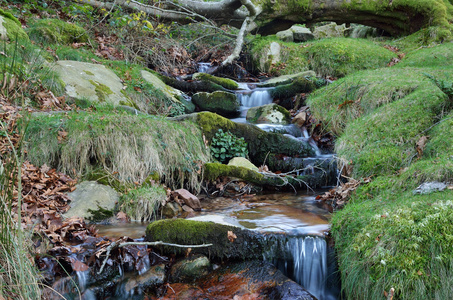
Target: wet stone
{"type": "Point", "coordinates": [189, 269]}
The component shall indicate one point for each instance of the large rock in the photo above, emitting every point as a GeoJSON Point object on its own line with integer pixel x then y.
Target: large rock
{"type": "Point", "coordinates": [223, 103]}
{"type": "Point", "coordinates": [270, 57]}
{"type": "Point", "coordinates": [286, 79]}
{"type": "Point", "coordinates": [330, 30]}
{"type": "Point", "coordinates": [92, 82]}
{"type": "Point", "coordinates": [269, 114]}
{"type": "Point", "coordinates": [173, 94]}
{"type": "Point", "coordinates": [296, 33]}
{"type": "Point", "coordinates": [225, 82]}
{"type": "Point", "coordinates": [92, 200]}
{"type": "Point", "coordinates": [10, 28]}
{"type": "Point", "coordinates": [301, 34]}
{"type": "Point", "coordinates": [189, 269]}
{"type": "Point", "coordinates": [242, 162]}
{"type": "Point", "coordinates": [285, 35]}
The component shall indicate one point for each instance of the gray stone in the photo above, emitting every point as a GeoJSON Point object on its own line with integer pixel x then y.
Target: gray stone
{"type": "Point", "coordinates": [190, 269]}
{"type": "Point", "coordinates": [90, 195]}
{"type": "Point", "coordinates": [301, 34]}
{"type": "Point", "coordinates": [223, 103]}
{"type": "Point", "coordinates": [285, 35]}
{"type": "Point", "coordinates": [270, 56]}
{"type": "Point", "coordinates": [242, 162]}
{"type": "Point", "coordinates": [429, 187]}
{"type": "Point", "coordinates": [268, 114]}
{"type": "Point", "coordinates": [330, 30]}
{"type": "Point", "coordinates": [286, 79]}
{"type": "Point", "coordinates": [92, 82]}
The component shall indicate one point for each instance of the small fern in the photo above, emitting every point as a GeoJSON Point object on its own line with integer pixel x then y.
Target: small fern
{"type": "Point", "coordinates": [444, 85]}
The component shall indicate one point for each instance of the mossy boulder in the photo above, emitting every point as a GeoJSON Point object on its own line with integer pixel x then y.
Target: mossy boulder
{"type": "Point", "coordinates": [269, 114]}
{"type": "Point", "coordinates": [214, 170]}
{"type": "Point", "coordinates": [299, 85]}
{"type": "Point", "coordinates": [11, 28]}
{"type": "Point", "coordinates": [286, 79]}
{"type": "Point", "coordinates": [285, 35]}
{"type": "Point", "coordinates": [171, 93]}
{"type": "Point", "coordinates": [56, 31]}
{"type": "Point", "coordinates": [91, 82]}
{"type": "Point", "coordinates": [260, 143]}
{"type": "Point", "coordinates": [246, 245]}
{"type": "Point", "coordinates": [224, 103]}
{"type": "Point", "coordinates": [225, 82]}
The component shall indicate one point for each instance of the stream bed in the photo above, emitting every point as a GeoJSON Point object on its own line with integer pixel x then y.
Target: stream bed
{"type": "Point", "coordinates": [294, 221]}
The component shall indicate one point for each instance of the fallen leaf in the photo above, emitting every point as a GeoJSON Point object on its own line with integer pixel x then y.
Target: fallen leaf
{"type": "Point", "coordinates": [231, 236]}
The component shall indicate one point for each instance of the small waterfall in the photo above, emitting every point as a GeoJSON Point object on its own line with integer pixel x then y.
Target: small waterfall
{"type": "Point", "coordinates": [303, 259]}
{"type": "Point", "coordinates": [203, 67]}
{"type": "Point", "coordinates": [83, 277]}
{"type": "Point", "coordinates": [257, 97]}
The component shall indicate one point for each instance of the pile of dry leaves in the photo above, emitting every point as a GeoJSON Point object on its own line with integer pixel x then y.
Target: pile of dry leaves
{"type": "Point", "coordinates": [337, 198]}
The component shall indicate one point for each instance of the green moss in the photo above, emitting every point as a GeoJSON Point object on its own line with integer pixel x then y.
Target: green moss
{"type": "Point", "coordinates": [247, 244]}
{"type": "Point", "coordinates": [425, 37]}
{"type": "Point", "coordinates": [388, 238]}
{"type": "Point", "coordinates": [215, 170]}
{"type": "Point", "coordinates": [259, 142]}
{"type": "Point", "coordinates": [88, 72]}
{"type": "Point", "coordinates": [13, 27]}
{"type": "Point", "coordinates": [100, 214]}
{"type": "Point", "coordinates": [10, 16]}
{"type": "Point", "coordinates": [225, 82]}
{"type": "Point", "coordinates": [327, 57]}
{"type": "Point", "coordinates": [437, 56]}
{"type": "Point", "coordinates": [224, 103]}
{"type": "Point", "coordinates": [102, 91]}
{"type": "Point", "coordinates": [299, 85]}
{"type": "Point", "coordinates": [55, 31]}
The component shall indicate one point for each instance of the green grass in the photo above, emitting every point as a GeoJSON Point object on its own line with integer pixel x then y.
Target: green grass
{"type": "Point", "coordinates": [387, 237]}
{"type": "Point", "coordinates": [143, 204]}
{"type": "Point", "coordinates": [132, 147]}
{"type": "Point", "coordinates": [55, 31]}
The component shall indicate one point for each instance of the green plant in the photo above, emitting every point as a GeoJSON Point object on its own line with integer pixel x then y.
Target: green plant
{"type": "Point", "coordinates": [444, 85]}
{"type": "Point", "coordinates": [225, 145]}
{"type": "Point", "coordinates": [142, 204]}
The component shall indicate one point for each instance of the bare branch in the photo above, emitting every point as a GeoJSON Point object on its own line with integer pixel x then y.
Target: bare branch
{"type": "Point", "coordinates": [114, 245]}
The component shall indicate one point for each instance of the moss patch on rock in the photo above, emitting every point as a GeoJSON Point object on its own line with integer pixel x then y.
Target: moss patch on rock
{"type": "Point", "coordinates": [55, 31]}
{"type": "Point", "coordinates": [224, 103]}
{"type": "Point", "coordinates": [225, 82]}
{"type": "Point", "coordinates": [12, 26]}
{"type": "Point", "coordinates": [260, 143]}
{"type": "Point", "coordinates": [245, 246]}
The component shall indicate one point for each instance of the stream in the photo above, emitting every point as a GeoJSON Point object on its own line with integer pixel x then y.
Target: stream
{"type": "Point", "coordinates": [294, 224]}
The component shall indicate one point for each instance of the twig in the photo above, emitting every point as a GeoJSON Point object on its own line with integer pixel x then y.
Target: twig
{"type": "Point", "coordinates": [114, 245]}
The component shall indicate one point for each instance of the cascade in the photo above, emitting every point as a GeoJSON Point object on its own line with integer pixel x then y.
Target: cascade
{"type": "Point", "coordinates": [203, 67]}
{"type": "Point", "coordinates": [305, 261]}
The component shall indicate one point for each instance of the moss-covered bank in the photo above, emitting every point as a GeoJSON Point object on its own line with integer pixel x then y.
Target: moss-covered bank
{"type": "Point", "coordinates": [395, 125]}
{"type": "Point", "coordinates": [129, 146]}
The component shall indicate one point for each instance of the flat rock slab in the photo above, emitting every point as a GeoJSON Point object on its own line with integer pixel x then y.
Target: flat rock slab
{"type": "Point", "coordinates": [90, 195]}
{"type": "Point", "coordinates": [91, 82]}
{"type": "Point", "coordinates": [286, 79]}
